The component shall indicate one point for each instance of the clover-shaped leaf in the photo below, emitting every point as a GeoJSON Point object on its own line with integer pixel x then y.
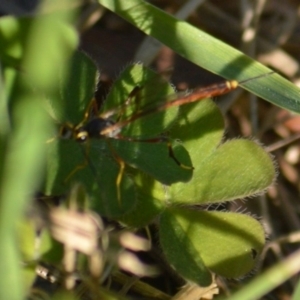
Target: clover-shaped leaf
{"type": "Point", "coordinates": [223, 171]}
{"type": "Point", "coordinates": [226, 243]}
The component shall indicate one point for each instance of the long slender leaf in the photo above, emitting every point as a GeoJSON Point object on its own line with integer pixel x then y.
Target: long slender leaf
{"type": "Point", "coordinates": [207, 51]}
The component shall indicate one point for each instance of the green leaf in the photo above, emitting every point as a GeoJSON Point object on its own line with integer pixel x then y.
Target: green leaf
{"type": "Point", "coordinates": [141, 145]}
{"type": "Point", "coordinates": [206, 51]}
{"type": "Point", "coordinates": [200, 128]}
{"type": "Point", "coordinates": [153, 90]}
{"type": "Point", "coordinates": [296, 294]}
{"type": "Point", "coordinates": [77, 89]}
{"type": "Point", "coordinates": [180, 251]}
{"type": "Point", "coordinates": [149, 204]}
{"type": "Point", "coordinates": [227, 243]}
{"type": "Point", "coordinates": [94, 167]}
{"type": "Point", "coordinates": [27, 245]}
{"type": "Point", "coordinates": [27, 236]}
{"type": "Point", "coordinates": [154, 159]}
{"type": "Point", "coordinates": [237, 168]}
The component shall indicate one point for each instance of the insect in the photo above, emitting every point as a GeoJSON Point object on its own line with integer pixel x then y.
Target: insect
{"type": "Point", "coordinates": [103, 126]}
{"type": "Point", "coordinates": [131, 132]}
{"type": "Point", "coordinates": [110, 125]}
{"type": "Point", "coordinates": [147, 144]}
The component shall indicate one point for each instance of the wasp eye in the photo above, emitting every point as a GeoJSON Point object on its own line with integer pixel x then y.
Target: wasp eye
{"type": "Point", "coordinates": [65, 132]}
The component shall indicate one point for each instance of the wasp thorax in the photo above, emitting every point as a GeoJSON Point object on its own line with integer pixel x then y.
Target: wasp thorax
{"type": "Point", "coordinates": [97, 125]}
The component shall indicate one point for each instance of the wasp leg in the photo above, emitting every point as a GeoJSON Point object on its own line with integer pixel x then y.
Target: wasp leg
{"type": "Point", "coordinates": [76, 169]}
{"type": "Point", "coordinates": [119, 178]}
{"type": "Point", "coordinates": [91, 109]}
{"type": "Point", "coordinates": [121, 109]}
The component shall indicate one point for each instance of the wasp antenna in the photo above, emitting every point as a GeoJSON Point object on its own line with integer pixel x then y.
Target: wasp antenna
{"type": "Point", "coordinates": [256, 77]}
